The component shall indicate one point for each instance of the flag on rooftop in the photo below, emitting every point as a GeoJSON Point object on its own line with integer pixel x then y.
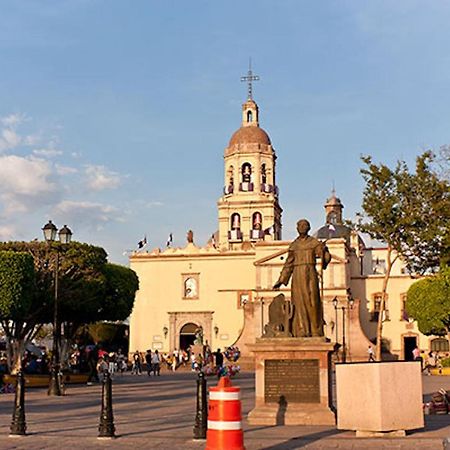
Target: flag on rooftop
{"type": "Point", "coordinates": [143, 243]}
{"type": "Point", "coordinates": [270, 230]}
{"type": "Point", "coordinates": [169, 240]}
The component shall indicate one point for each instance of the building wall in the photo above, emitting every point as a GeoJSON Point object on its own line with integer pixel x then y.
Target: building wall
{"type": "Point", "coordinates": [225, 277]}
{"type": "Point", "coordinates": [221, 278]}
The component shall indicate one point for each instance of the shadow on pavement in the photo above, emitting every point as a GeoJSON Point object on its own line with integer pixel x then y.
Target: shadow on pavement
{"type": "Point", "coordinates": [299, 442]}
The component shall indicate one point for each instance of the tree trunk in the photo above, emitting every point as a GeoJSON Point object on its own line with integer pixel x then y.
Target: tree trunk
{"type": "Point", "coordinates": [15, 348]}
{"type": "Point", "coordinates": [389, 262]}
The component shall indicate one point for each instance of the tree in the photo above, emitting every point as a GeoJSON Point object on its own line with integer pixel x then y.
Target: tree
{"type": "Point", "coordinates": [121, 286]}
{"type": "Point", "coordinates": [410, 212]}
{"type": "Point", "coordinates": [428, 302]}
{"type": "Point", "coordinates": [89, 288]}
{"type": "Point", "coordinates": [17, 288]}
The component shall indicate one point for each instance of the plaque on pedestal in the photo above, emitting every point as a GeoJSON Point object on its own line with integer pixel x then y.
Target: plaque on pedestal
{"type": "Point", "coordinates": [293, 383]}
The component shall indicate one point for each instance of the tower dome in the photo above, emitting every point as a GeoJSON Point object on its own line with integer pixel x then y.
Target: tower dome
{"type": "Point", "coordinates": [249, 135]}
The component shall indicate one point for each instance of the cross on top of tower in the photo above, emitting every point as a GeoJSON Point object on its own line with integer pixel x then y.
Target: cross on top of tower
{"type": "Point", "coordinates": [250, 78]}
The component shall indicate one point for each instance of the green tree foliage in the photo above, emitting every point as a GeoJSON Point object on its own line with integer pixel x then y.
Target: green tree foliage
{"type": "Point", "coordinates": [428, 302]}
{"type": "Point", "coordinates": [102, 332]}
{"type": "Point", "coordinates": [17, 283]}
{"type": "Point", "coordinates": [17, 301]}
{"type": "Point", "coordinates": [89, 290]}
{"type": "Point", "coordinates": [410, 212]}
{"type": "Point", "coordinates": [121, 286]}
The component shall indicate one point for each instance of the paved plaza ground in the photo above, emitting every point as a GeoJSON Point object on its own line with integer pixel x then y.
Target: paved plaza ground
{"type": "Point", "coordinates": [158, 413]}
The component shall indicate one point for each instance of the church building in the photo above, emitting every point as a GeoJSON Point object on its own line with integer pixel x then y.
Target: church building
{"type": "Point", "coordinates": [224, 288]}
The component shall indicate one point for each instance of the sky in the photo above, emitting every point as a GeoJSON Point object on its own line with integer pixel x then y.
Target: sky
{"type": "Point", "coordinates": [114, 115]}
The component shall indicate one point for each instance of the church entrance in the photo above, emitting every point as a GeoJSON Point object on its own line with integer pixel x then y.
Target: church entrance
{"type": "Point", "coordinates": [187, 335]}
{"type": "Point", "coordinates": [409, 344]}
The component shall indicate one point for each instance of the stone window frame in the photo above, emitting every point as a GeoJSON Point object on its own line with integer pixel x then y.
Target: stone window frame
{"type": "Point", "coordinates": [403, 314]}
{"type": "Point", "coordinates": [184, 278]}
{"type": "Point", "coordinates": [240, 295]}
{"type": "Point", "coordinates": [374, 313]}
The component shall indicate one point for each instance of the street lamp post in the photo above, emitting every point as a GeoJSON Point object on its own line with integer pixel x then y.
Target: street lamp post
{"type": "Point", "coordinates": [65, 235]}
{"type": "Point", "coordinates": [343, 308]}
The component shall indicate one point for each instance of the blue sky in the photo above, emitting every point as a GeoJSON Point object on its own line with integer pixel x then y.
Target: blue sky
{"type": "Point", "coordinates": [115, 115]}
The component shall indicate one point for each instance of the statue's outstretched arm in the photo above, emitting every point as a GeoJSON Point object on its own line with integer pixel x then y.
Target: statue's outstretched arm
{"type": "Point", "coordinates": [286, 272]}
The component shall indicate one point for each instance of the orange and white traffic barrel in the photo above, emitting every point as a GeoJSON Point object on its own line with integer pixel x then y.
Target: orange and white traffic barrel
{"type": "Point", "coordinates": [224, 417]}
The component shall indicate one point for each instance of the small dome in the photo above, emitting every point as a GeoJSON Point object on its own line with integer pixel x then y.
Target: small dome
{"type": "Point", "coordinates": [249, 135]}
{"type": "Point", "coordinates": [333, 231]}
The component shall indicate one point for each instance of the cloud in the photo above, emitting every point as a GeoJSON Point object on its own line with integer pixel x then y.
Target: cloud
{"type": "Point", "coordinates": [65, 170]}
{"type": "Point", "coordinates": [7, 232]}
{"type": "Point", "coordinates": [25, 175]}
{"type": "Point", "coordinates": [153, 204]}
{"type": "Point", "coordinates": [9, 139]}
{"type": "Point", "coordinates": [90, 214]}
{"type": "Point", "coordinates": [13, 120]}
{"type": "Point", "coordinates": [25, 182]}
{"type": "Point", "coordinates": [100, 178]}
{"type": "Point", "coordinates": [47, 152]}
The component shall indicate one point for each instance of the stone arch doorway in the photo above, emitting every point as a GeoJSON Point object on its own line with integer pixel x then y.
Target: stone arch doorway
{"type": "Point", "coordinates": [187, 335]}
{"type": "Point", "coordinates": [409, 344]}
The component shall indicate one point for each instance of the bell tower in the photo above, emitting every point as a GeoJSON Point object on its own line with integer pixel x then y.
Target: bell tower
{"type": "Point", "coordinates": [249, 208]}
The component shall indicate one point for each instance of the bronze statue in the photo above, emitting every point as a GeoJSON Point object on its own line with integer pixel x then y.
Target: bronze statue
{"type": "Point", "coordinates": [305, 294]}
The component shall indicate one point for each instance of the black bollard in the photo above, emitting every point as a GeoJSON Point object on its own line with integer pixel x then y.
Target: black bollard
{"type": "Point", "coordinates": [18, 424]}
{"type": "Point", "coordinates": [201, 417]}
{"type": "Point", "coordinates": [106, 428]}
{"type": "Point", "coordinates": [54, 387]}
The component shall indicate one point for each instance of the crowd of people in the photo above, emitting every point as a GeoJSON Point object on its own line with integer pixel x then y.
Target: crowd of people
{"type": "Point", "coordinates": [95, 360]}
{"type": "Point", "coordinates": [205, 360]}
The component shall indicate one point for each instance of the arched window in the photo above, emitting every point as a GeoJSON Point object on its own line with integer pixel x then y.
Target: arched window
{"type": "Point", "coordinates": [249, 116]}
{"type": "Point", "coordinates": [263, 174]}
{"type": "Point", "coordinates": [404, 313]}
{"type": "Point", "coordinates": [230, 176]}
{"type": "Point", "coordinates": [257, 221]}
{"type": "Point", "coordinates": [332, 218]}
{"type": "Point", "coordinates": [246, 172]}
{"type": "Point", "coordinates": [190, 288]}
{"type": "Point", "coordinates": [235, 221]}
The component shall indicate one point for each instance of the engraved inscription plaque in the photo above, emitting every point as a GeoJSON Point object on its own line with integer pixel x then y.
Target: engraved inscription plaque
{"type": "Point", "coordinates": [296, 380]}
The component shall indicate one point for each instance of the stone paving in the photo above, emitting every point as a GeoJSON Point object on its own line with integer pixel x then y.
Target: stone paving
{"type": "Point", "coordinates": [158, 413]}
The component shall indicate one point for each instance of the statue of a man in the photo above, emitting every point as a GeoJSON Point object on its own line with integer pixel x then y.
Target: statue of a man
{"type": "Point", "coordinates": [305, 293]}
{"type": "Point", "coordinates": [198, 336]}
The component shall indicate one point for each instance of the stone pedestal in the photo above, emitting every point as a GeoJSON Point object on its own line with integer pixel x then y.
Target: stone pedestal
{"type": "Point", "coordinates": [379, 397]}
{"type": "Point", "coordinates": [293, 385]}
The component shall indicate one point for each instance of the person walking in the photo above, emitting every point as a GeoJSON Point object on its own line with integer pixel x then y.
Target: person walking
{"type": "Point", "coordinates": [174, 360]}
{"type": "Point", "coordinates": [218, 355]}
{"type": "Point", "coordinates": [92, 359]}
{"type": "Point", "coordinates": [370, 352]}
{"type": "Point", "coordinates": [148, 361]}
{"type": "Point", "coordinates": [136, 369]}
{"type": "Point", "coordinates": [416, 356]}
{"type": "Point", "coordinates": [112, 363]}
{"type": "Point", "coordinates": [156, 363]}
{"type": "Point", "coordinates": [121, 362]}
